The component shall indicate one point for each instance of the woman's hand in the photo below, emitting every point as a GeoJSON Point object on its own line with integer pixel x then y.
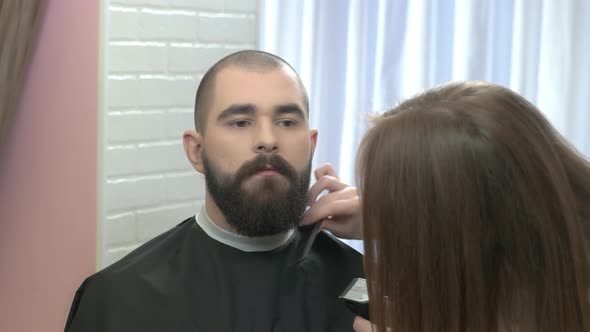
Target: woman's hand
{"type": "Point", "coordinates": [362, 325]}
{"type": "Point", "coordinates": [339, 210]}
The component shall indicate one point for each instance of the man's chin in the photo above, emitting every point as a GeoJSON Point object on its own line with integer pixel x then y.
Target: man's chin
{"type": "Point", "coordinates": [266, 197]}
{"type": "Point", "coordinates": [273, 185]}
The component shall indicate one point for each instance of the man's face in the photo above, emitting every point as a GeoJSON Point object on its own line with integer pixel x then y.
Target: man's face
{"type": "Point", "coordinates": [257, 149]}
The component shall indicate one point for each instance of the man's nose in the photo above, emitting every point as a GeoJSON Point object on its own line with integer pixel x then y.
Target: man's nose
{"type": "Point", "coordinates": [266, 141]}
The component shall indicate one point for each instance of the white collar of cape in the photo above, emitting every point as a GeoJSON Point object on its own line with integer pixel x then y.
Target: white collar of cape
{"type": "Point", "coordinates": [241, 242]}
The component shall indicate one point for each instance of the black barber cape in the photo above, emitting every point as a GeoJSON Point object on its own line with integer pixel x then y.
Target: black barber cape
{"type": "Point", "coordinates": [185, 281]}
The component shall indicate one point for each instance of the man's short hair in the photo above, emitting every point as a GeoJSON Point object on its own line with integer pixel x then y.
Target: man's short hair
{"type": "Point", "coordinates": [246, 59]}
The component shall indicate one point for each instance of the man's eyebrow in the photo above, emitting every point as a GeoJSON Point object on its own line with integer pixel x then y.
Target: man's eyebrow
{"type": "Point", "coordinates": [237, 109]}
{"type": "Point", "coordinates": [291, 108]}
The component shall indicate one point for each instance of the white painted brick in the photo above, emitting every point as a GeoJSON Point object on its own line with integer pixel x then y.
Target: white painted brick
{"type": "Point", "coordinates": [112, 255]}
{"type": "Point", "coordinates": [198, 205]}
{"type": "Point", "coordinates": [185, 187]}
{"type": "Point", "coordinates": [154, 158]}
{"type": "Point", "coordinates": [123, 25]}
{"type": "Point", "coordinates": [137, 58]}
{"type": "Point", "coordinates": [120, 161]}
{"type": "Point", "coordinates": [182, 92]}
{"type": "Point", "coordinates": [119, 229]}
{"type": "Point", "coordinates": [178, 121]}
{"type": "Point", "coordinates": [228, 29]}
{"type": "Point", "coordinates": [122, 92]}
{"type": "Point", "coordinates": [141, 2]}
{"type": "Point", "coordinates": [219, 5]}
{"type": "Point", "coordinates": [131, 193]}
{"type": "Point", "coordinates": [136, 126]}
{"type": "Point", "coordinates": [154, 92]}
{"type": "Point", "coordinates": [152, 222]}
{"type": "Point", "coordinates": [162, 158]}
{"type": "Point", "coordinates": [163, 25]}
{"type": "Point", "coordinates": [155, 26]}
{"type": "Point", "coordinates": [166, 91]}
{"type": "Point", "coordinates": [194, 59]}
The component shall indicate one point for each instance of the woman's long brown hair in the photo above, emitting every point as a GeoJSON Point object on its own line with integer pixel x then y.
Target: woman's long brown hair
{"type": "Point", "coordinates": [476, 216]}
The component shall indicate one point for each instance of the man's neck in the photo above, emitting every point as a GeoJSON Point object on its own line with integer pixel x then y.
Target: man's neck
{"type": "Point", "coordinates": [216, 215]}
{"type": "Point", "coordinates": [213, 222]}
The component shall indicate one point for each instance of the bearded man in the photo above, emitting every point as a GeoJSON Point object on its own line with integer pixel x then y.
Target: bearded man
{"type": "Point", "coordinates": [242, 263]}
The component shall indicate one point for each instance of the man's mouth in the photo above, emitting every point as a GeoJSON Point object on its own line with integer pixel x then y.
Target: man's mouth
{"type": "Point", "coordinates": [268, 171]}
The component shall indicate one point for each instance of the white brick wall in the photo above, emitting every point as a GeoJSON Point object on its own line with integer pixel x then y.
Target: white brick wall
{"type": "Point", "coordinates": [157, 52]}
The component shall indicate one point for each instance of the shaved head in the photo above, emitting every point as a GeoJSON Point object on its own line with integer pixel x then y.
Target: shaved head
{"type": "Point", "coordinates": [253, 60]}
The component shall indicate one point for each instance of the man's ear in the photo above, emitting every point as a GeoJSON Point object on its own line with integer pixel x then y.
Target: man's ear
{"type": "Point", "coordinates": [193, 147]}
{"type": "Point", "coordinates": [314, 139]}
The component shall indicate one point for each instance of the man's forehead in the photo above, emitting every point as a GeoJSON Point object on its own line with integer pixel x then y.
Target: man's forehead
{"type": "Point", "coordinates": [235, 84]}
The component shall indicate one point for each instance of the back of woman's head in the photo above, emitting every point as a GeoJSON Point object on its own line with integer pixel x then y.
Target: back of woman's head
{"type": "Point", "coordinates": [475, 215]}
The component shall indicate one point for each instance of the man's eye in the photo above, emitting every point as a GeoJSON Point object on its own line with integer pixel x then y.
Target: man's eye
{"type": "Point", "coordinates": [240, 123]}
{"type": "Point", "coordinates": [287, 123]}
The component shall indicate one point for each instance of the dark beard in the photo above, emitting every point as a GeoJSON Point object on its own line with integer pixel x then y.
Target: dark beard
{"type": "Point", "coordinates": [270, 210]}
